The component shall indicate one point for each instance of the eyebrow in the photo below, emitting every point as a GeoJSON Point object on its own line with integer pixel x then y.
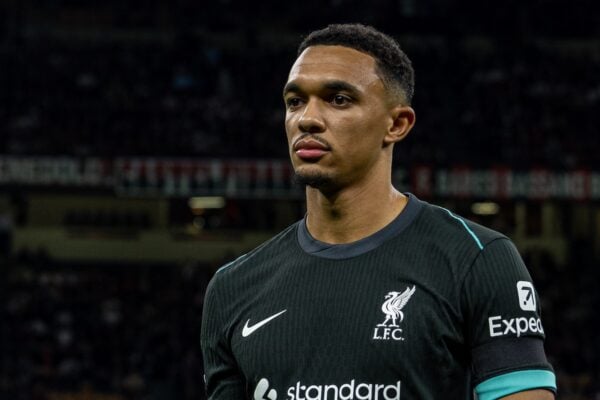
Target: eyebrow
{"type": "Point", "coordinates": [341, 86]}
{"type": "Point", "coordinates": [290, 87]}
{"type": "Point", "coordinates": [332, 85]}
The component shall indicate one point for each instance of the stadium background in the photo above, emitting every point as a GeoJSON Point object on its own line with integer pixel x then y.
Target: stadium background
{"type": "Point", "coordinates": [142, 146]}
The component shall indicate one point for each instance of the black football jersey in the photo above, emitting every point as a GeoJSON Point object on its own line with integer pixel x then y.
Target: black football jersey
{"type": "Point", "coordinates": [432, 306]}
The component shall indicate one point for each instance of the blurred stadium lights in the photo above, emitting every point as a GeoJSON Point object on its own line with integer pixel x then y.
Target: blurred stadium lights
{"type": "Point", "coordinates": [206, 202]}
{"type": "Point", "coordinates": [485, 208]}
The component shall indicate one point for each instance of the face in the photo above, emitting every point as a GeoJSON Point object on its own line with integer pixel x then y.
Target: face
{"type": "Point", "coordinates": [337, 116]}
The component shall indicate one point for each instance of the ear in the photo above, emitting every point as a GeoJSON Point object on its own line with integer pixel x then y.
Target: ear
{"type": "Point", "coordinates": [402, 121]}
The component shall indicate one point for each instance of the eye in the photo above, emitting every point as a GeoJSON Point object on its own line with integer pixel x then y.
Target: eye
{"type": "Point", "coordinates": [341, 100]}
{"type": "Point", "coordinates": [293, 102]}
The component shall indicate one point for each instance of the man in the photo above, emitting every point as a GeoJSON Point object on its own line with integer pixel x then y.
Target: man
{"type": "Point", "coordinates": [374, 294]}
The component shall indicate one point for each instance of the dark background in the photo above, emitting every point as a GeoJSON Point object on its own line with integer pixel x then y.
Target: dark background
{"type": "Point", "coordinates": [101, 285]}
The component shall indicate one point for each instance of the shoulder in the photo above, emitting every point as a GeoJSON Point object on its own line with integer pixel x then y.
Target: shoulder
{"type": "Point", "coordinates": [275, 245]}
{"type": "Point", "coordinates": [452, 244]}
{"type": "Point", "coordinates": [453, 229]}
{"type": "Point", "coordinates": [236, 282]}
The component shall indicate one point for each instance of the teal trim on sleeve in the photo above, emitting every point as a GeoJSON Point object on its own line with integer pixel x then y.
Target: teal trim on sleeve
{"type": "Point", "coordinates": [513, 382]}
{"type": "Point", "coordinates": [469, 230]}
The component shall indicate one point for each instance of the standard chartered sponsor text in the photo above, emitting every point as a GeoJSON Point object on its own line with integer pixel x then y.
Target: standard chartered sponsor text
{"type": "Point", "coordinates": [347, 391]}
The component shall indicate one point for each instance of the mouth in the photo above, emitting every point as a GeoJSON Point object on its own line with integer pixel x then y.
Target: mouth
{"type": "Point", "coordinates": [310, 149]}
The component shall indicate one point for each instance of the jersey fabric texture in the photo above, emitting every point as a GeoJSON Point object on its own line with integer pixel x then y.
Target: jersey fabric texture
{"type": "Point", "coordinates": [432, 306]}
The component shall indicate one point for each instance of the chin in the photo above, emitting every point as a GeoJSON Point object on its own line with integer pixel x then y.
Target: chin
{"type": "Point", "coordinates": [314, 179]}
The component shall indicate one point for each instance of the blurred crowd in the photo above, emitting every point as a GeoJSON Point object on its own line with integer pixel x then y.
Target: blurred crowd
{"type": "Point", "coordinates": [479, 100]}
{"type": "Point", "coordinates": [569, 299]}
{"type": "Point", "coordinates": [120, 330]}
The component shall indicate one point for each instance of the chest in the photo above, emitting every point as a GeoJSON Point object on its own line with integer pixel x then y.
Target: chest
{"type": "Point", "coordinates": [337, 321]}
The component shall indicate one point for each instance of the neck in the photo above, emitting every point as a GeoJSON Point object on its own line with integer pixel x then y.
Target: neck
{"type": "Point", "coordinates": [353, 213]}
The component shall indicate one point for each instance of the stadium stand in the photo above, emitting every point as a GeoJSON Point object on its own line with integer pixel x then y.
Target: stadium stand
{"type": "Point", "coordinates": [478, 99]}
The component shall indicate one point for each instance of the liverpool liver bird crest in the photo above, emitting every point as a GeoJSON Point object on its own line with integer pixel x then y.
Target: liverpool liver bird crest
{"type": "Point", "coordinates": [392, 307]}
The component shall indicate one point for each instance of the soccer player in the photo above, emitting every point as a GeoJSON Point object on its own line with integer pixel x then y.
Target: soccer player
{"type": "Point", "coordinates": [375, 294]}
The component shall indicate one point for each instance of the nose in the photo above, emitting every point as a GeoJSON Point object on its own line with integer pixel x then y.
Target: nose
{"type": "Point", "coordinates": [311, 119]}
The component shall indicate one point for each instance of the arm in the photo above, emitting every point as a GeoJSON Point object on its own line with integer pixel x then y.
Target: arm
{"type": "Point", "coordinates": [506, 333]}
{"type": "Point", "coordinates": [223, 379]}
{"type": "Point", "coordinates": [539, 394]}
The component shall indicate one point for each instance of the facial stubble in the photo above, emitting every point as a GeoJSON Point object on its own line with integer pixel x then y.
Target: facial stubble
{"type": "Point", "coordinates": [316, 180]}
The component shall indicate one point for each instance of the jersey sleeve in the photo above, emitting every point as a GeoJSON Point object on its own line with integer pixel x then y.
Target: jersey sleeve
{"type": "Point", "coordinates": [222, 378]}
{"type": "Point", "coordinates": [504, 327]}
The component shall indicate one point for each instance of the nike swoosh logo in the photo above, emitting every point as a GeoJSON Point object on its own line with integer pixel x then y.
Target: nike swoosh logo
{"type": "Point", "coordinates": [248, 330]}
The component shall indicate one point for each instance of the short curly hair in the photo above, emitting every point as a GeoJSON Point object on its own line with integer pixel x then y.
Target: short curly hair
{"type": "Point", "coordinates": [394, 66]}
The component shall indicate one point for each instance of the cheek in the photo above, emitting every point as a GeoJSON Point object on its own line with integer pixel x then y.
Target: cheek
{"type": "Point", "coordinates": [363, 140]}
{"type": "Point", "coordinates": [363, 129]}
{"type": "Point", "coordinates": [288, 127]}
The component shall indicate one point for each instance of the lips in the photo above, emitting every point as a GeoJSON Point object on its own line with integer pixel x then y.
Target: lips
{"type": "Point", "coordinates": [310, 149]}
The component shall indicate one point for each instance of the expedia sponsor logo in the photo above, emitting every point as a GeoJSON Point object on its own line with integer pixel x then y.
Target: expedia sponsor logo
{"type": "Point", "coordinates": [347, 391]}
{"type": "Point", "coordinates": [514, 326]}
{"type": "Point", "coordinates": [526, 296]}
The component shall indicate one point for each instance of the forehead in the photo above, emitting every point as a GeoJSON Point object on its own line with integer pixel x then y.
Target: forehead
{"type": "Point", "coordinates": [334, 62]}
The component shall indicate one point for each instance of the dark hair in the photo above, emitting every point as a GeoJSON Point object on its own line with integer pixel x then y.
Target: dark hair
{"type": "Point", "coordinates": [394, 66]}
